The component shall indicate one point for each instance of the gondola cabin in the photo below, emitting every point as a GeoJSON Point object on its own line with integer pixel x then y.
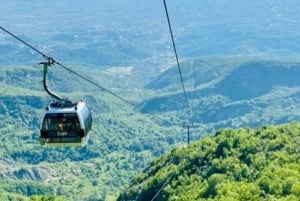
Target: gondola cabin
{"type": "Point", "coordinates": [65, 123]}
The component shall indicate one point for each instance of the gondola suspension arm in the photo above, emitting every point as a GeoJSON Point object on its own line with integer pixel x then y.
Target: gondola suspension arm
{"type": "Point", "coordinates": [47, 64]}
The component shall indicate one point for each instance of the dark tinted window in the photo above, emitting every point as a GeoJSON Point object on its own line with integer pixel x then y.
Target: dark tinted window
{"type": "Point", "coordinates": [61, 122]}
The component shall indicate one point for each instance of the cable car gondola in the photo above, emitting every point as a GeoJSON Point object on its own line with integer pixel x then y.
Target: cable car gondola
{"type": "Point", "coordinates": [64, 123]}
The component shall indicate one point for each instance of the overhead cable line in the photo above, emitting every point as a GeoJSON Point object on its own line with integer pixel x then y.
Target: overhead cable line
{"type": "Point", "coordinates": [178, 65]}
{"type": "Point", "coordinates": [185, 96]}
{"type": "Point", "coordinates": [163, 186]}
{"type": "Point", "coordinates": [97, 85]}
{"type": "Point", "coordinates": [53, 61]}
{"type": "Point", "coordinates": [50, 59]}
{"type": "Point", "coordinates": [68, 69]}
{"type": "Point", "coordinates": [27, 44]}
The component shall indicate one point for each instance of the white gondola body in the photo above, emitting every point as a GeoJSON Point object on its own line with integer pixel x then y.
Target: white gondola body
{"type": "Point", "coordinates": [65, 124]}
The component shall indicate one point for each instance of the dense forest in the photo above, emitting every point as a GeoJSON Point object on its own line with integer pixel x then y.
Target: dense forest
{"type": "Point", "coordinates": [243, 164]}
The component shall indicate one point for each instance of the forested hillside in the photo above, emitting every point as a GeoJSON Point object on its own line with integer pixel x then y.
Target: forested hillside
{"type": "Point", "coordinates": [124, 139]}
{"type": "Point", "coordinates": [231, 91]}
{"type": "Point", "coordinates": [230, 165]}
{"type": "Point", "coordinates": [239, 62]}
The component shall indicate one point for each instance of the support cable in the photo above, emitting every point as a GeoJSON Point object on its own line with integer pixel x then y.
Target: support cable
{"type": "Point", "coordinates": [68, 69]}
{"type": "Point", "coordinates": [162, 187]}
{"type": "Point", "coordinates": [108, 91]}
{"type": "Point", "coordinates": [178, 65]}
{"type": "Point", "coordinates": [185, 96]}
{"type": "Point", "coordinates": [25, 43]}
{"type": "Point", "coordinates": [53, 61]}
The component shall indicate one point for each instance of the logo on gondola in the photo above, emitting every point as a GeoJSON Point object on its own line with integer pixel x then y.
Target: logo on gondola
{"type": "Point", "coordinates": [62, 134]}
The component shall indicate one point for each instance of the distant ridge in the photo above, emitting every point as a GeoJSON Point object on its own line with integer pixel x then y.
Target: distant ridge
{"type": "Point", "coordinates": [232, 92]}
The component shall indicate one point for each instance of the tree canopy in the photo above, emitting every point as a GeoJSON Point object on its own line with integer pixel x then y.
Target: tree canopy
{"type": "Point", "coordinates": [241, 164]}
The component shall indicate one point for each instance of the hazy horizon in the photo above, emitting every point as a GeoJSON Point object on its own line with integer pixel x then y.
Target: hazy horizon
{"type": "Point", "coordinates": [118, 33]}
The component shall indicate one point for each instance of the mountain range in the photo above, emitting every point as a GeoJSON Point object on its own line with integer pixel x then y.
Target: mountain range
{"type": "Point", "coordinates": [239, 62]}
{"type": "Point", "coordinates": [125, 138]}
